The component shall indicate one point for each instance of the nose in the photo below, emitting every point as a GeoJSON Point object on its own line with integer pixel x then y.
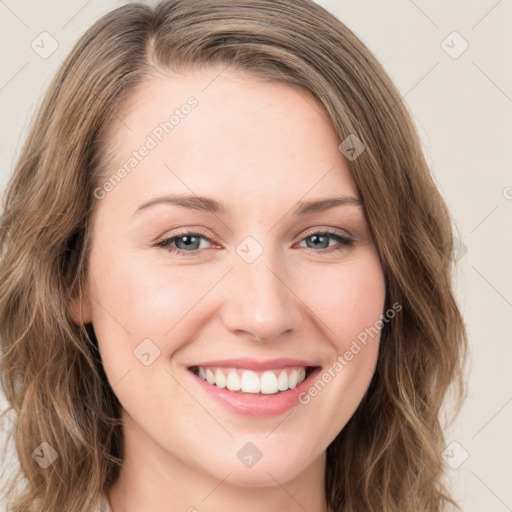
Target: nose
{"type": "Point", "coordinates": [259, 302]}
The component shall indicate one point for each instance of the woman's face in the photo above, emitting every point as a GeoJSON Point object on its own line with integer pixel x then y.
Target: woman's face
{"type": "Point", "coordinates": [257, 286]}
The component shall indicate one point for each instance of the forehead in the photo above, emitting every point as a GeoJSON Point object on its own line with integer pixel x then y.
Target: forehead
{"type": "Point", "coordinates": [227, 133]}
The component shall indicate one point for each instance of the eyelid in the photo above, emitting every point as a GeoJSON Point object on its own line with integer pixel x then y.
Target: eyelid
{"type": "Point", "coordinates": [326, 229]}
{"type": "Point", "coordinates": [182, 232]}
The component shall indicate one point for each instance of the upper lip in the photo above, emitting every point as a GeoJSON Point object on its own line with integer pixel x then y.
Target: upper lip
{"type": "Point", "coordinates": [256, 365]}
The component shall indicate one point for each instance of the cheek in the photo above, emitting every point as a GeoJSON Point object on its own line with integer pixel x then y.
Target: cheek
{"type": "Point", "coordinates": [139, 314]}
{"type": "Point", "coordinates": [352, 303]}
{"type": "Point", "coordinates": [350, 310]}
{"type": "Point", "coordinates": [141, 300]}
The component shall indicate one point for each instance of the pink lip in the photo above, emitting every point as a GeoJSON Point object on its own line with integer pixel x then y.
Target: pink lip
{"type": "Point", "coordinates": [255, 404]}
{"type": "Point", "coordinates": [254, 364]}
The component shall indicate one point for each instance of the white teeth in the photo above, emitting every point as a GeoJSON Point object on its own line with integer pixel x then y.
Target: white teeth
{"type": "Point", "coordinates": [292, 379]}
{"type": "Point", "coordinates": [250, 382]}
{"type": "Point", "coordinates": [210, 377]}
{"type": "Point", "coordinates": [269, 383]}
{"type": "Point", "coordinates": [247, 381]}
{"type": "Point", "coordinates": [282, 382]}
{"type": "Point", "coordinates": [220, 379]}
{"type": "Point", "coordinates": [233, 381]}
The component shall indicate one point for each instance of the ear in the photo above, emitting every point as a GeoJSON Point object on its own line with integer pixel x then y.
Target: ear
{"type": "Point", "coordinates": [80, 306]}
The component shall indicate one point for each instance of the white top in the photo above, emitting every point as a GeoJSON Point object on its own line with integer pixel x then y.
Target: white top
{"type": "Point", "coordinates": [103, 504]}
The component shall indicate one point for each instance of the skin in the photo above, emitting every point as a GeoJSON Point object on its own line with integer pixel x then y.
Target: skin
{"type": "Point", "coordinates": [259, 148]}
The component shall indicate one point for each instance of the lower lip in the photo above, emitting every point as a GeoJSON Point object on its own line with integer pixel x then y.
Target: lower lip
{"type": "Point", "coordinates": [255, 404]}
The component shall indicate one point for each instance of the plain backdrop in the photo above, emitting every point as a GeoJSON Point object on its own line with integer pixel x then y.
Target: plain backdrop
{"type": "Point", "coordinates": [451, 62]}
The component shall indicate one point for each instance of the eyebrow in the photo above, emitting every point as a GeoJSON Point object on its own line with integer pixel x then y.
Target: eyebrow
{"type": "Point", "coordinates": [210, 205]}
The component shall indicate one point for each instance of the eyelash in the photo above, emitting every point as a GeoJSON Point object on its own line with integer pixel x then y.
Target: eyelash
{"type": "Point", "coordinates": [344, 241]}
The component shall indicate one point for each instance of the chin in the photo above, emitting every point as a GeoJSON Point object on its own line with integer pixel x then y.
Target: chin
{"type": "Point", "coordinates": [260, 476]}
{"type": "Point", "coordinates": [263, 473]}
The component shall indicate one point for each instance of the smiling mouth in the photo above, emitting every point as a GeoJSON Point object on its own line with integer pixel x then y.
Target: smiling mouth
{"type": "Point", "coordinates": [242, 380]}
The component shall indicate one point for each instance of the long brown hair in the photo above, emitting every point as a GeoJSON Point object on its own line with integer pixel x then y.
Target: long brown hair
{"type": "Point", "coordinates": [388, 457]}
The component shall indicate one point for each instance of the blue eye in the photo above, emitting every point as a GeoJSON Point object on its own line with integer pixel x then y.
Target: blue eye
{"type": "Point", "coordinates": [190, 242]}
{"type": "Point", "coordinates": [188, 239]}
{"type": "Point", "coordinates": [320, 237]}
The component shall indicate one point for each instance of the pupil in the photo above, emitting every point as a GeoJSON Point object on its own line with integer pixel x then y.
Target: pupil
{"type": "Point", "coordinates": [316, 237]}
{"type": "Point", "coordinates": [188, 240]}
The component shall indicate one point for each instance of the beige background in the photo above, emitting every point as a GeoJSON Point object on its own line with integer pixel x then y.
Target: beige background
{"type": "Point", "coordinates": [463, 109]}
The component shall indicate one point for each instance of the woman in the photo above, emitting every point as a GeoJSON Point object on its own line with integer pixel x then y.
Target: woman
{"type": "Point", "coordinates": [226, 273]}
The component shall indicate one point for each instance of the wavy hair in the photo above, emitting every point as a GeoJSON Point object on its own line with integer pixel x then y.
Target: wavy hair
{"type": "Point", "coordinates": [388, 457]}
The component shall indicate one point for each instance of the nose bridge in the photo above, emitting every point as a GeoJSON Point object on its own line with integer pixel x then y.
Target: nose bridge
{"type": "Point", "coordinates": [259, 300]}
